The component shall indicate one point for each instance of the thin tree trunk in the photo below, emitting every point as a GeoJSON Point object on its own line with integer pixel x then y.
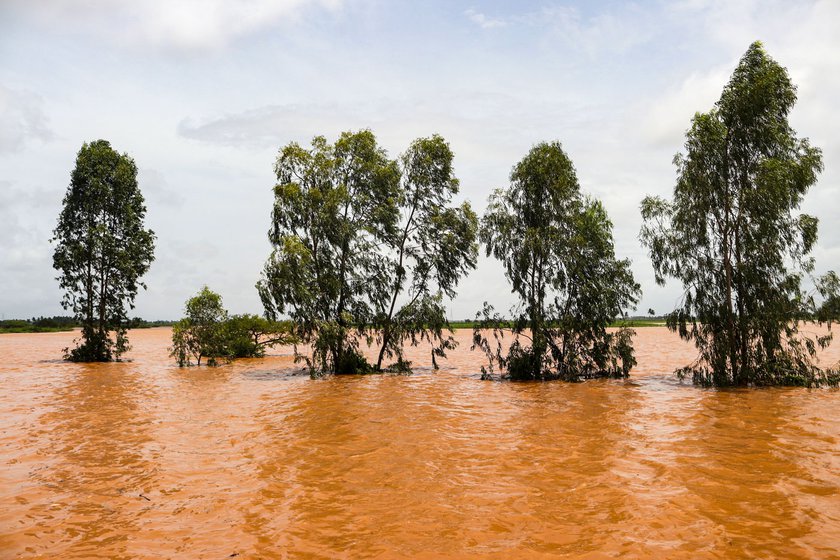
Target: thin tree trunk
{"type": "Point", "coordinates": [727, 265]}
{"type": "Point", "coordinates": [386, 330]}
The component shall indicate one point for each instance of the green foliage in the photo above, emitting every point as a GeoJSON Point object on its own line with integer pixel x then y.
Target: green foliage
{"type": "Point", "coordinates": [140, 323]}
{"type": "Point", "coordinates": [352, 231]}
{"type": "Point", "coordinates": [201, 333]}
{"type": "Point", "coordinates": [829, 288]}
{"type": "Point", "coordinates": [335, 205]}
{"type": "Point", "coordinates": [102, 249]}
{"type": "Point", "coordinates": [208, 331]}
{"type": "Point", "coordinates": [435, 247]}
{"type": "Point", "coordinates": [731, 237]}
{"type": "Point", "coordinates": [247, 336]}
{"type": "Point", "coordinates": [556, 247]}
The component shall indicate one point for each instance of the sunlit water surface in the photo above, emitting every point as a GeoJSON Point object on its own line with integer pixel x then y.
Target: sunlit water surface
{"type": "Point", "coordinates": [145, 460]}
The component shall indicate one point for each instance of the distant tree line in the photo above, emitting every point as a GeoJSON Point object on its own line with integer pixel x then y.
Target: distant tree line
{"type": "Point", "coordinates": [366, 249]}
{"type": "Point", "coordinates": [67, 323]}
{"type": "Point", "coordinates": [38, 324]}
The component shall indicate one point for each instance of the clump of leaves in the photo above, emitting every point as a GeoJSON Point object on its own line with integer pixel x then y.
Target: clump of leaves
{"type": "Point", "coordinates": [557, 250]}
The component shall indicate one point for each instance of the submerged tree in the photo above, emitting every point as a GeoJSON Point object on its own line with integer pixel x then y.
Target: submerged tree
{"type": "Point", "coordinates": [731, 237]}
{"type": "Point", "coordinates": [248, 335]}
{"type": "Point", "coordinates": [102, 249]}
{"type": "Point", "coordinates": [365, 249]}
{"type": "Point", "coordinates": [556, 247]}
{"type": "Point", "coordinates": [200, 334]}
{"type": "Point", "coordinates": [208, 331]}
{"type": "Point", "coordinates": [335, 206]}
{"type": "Point", "coordinates": [434, 248]}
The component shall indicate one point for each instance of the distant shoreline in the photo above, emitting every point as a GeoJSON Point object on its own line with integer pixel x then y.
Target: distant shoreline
{"type": "Point", "coordinates": [33, 329]}
{"type": "Point", "coordinates": [23, 326]}
{"type": "Point", "coordinates": [632, 323]}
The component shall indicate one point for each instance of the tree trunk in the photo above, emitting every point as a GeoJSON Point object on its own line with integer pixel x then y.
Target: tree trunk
{"type": "Point", "coordinates": [727, 265]}
{"type": "Point", "coordinates": [386, 331]}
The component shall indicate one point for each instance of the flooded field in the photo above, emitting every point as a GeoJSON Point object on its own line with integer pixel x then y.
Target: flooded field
{"type": "Point", "coordinates": [146, 460]}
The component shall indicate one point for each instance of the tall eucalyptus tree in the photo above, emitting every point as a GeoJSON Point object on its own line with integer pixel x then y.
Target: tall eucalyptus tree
{"type": "Point", "coordinates": [556, 247]}
{"type": "Point", "coordinates": [365, 249]}
{"type": "Point", "coordinates": [731, 236]}
{"type": "Point", "coordinates": [434, 248]}
{"type": "Point", "coordinates": [335, 207]}
{"type": "Point", "coordinates": [102, 249]}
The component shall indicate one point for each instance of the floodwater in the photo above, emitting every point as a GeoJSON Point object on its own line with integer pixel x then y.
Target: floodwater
{"type": "Point", "coordinates": [145, 460]}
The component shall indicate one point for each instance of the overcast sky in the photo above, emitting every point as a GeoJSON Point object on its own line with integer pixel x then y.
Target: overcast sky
{"type": "Point", "coordinates": [202, 93]}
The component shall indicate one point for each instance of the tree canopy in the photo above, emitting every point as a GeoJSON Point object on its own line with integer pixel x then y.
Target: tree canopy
{"type": "Point", "coordinates": [731, 236]}
{"type": "Point", "coordinates": [102, 249]}
{"type": "Point", "coordinates": [208, 331]}
{"type": "Point", "coordinates": [365, 248]}
{"type": "Point", "coordinates": [435, 246]}
{"type": "Point", "coordinates": [335, 206]}
{"type": "Point", "coordinates": [556, 247]}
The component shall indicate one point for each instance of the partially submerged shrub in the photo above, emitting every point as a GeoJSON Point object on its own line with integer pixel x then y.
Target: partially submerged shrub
{"type": "Point", "coordinates": [209, 332]}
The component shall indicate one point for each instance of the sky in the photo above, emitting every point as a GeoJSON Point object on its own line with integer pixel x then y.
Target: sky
{"type": "Point", "coordinates": [203, 93]}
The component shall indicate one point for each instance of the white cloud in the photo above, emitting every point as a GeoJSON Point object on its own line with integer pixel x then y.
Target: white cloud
{"type": "Point", "coordinates": [158, 190]}
{"type": "Point", "coordinates": [22, 119]}
{"type": "Point", "coordinates": [26, 253]}
{"type": "Point", "coordinates": [466, 119]}
{"type": "Point", "coordinates": [483, 21]}
{"type": "Point", "coordinates": [182, 24]}
{"type": "Point", "coordinates": [614, 30]}
{"type": "Point", "coordinates": [607, 31]}
{"type": "Point", "coordinates": [800, 36]}
{"type": "Point", "coordinates": [487, 132]}
{"type": "Point", "coordinates": [665, 121]}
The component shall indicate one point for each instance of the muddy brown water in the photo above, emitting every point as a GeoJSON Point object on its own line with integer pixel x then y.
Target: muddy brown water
{"type": "Point", "coordinates": [145, 460]}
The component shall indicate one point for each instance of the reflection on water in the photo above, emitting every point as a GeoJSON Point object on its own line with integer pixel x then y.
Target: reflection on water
{"type": "Point", "coordinates": [143, 459]}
